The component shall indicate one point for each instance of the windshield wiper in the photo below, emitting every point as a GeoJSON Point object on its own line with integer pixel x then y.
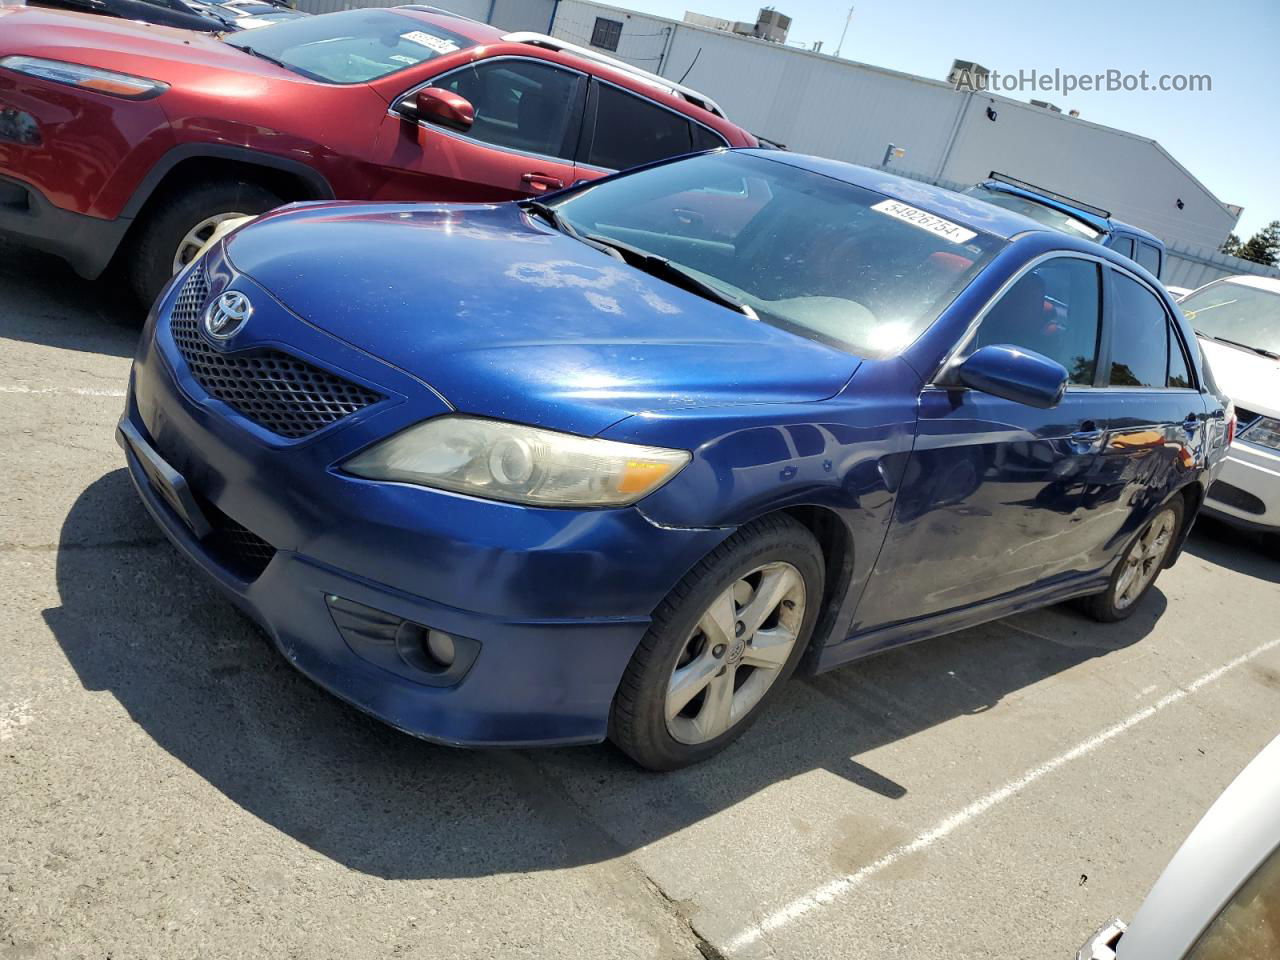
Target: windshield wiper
{"type": "Point", "coordinates": [664, 269]}
{"type": "Point", "coordinates": [260, 55]}
{"type": "Point", "coordinates": [1245, 346]}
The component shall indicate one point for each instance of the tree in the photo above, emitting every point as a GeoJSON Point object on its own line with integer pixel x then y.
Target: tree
{"type": "Point", "coordinates": [1264, 246]}
{"type": "Point", "coordinates": [1230, 246]}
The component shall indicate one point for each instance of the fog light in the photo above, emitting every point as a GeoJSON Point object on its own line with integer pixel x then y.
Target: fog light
{"type": "Point", "coordinates": [440, 647]}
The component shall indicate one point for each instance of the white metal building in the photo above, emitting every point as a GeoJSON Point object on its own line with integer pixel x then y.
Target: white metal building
{"type": "Point", "coordinates": [815, 103]}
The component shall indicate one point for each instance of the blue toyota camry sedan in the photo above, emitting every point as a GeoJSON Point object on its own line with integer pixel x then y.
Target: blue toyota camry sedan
{"type": "Point", "coordinates": [617, 462]}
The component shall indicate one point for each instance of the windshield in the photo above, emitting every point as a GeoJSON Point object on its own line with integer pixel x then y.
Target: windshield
{"type": "Point", "coordinates": [815, 255]}
{"type": "Point", "coordinates": [1235, 312]}
{"type": "Point", "coordinates": [353, 46]}
{"type": "Point", "coordinates": [1047, 216]}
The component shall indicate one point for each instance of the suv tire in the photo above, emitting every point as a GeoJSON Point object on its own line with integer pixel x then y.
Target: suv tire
{"type": "Point", "coordinates": [171, 222]}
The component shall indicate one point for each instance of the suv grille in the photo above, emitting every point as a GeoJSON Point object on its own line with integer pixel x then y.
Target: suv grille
{"type": "Point", "coordinates": [275, 390]}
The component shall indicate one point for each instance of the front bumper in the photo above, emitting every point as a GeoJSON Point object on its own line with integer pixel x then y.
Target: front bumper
{"type": "Point", "coordinates": [87, 243]}
{"type": "Point", "coordinates": [1247, 490]}
{"type": "Point", "coordinates": [556, 599]}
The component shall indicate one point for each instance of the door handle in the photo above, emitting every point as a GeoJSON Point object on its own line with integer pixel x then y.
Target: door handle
{"type": "Point", "coordinates": [1191, 424]}
{"type": "Point", "coordinates": [1086, 437]}
{"type": "Point", "coordinates": [542, 182]}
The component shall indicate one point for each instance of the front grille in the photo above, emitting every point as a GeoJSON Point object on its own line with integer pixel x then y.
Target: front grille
{"type": "Point", "coordinates": [275, 390]}
{"type": "Point", "coordinates": [234, 545]}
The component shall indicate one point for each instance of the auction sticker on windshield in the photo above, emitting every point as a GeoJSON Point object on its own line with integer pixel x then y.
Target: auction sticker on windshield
{"type": "Point", "coordinates": [925, 221]}
{"type": "Point", "coordinates": [438, 44]}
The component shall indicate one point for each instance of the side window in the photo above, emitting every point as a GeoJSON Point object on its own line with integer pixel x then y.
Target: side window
{"type": "Point", "coordinates": [630, 131]}
{"type": "Point", "coordinates": [1149, 257]}
{"type": "Point", "coordinates": [1139, 336]}
{"type": "Point", "coordinates": [521, 105]}
{"type": "Point", "coordinates": [1179, 369]}
{"type": "Point", "coordinates": [1053, 309]}
{"type": "Point", "coordinates": [705, 138]}
{"type": "Point", "coordinates": [1123, 246]}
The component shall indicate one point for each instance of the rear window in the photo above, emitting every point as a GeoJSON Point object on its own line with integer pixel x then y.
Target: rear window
{"type": "Point", "coordinates": [354, 46]}
{"type": "Point", "coordinates": [1149, 257]}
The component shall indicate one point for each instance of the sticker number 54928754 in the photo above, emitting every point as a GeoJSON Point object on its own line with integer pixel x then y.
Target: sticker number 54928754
{"type": "Point", "coordinates": [925, 221]}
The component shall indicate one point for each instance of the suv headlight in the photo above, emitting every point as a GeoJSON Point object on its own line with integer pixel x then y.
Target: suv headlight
{"type": "Point", "coordinates": [1264, 432]}
{"type": "Point", "coordinates": [86, 78]}
{"type": "Point", "coordinates": [519, 464]}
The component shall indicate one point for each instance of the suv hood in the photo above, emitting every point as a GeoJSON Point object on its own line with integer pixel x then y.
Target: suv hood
{"type": "Point", "coordinates": [169, 54]}
{"type": "Point", "coordinates": [1251, 380]}
{"type": "Point", "coordinates": [508, 318]}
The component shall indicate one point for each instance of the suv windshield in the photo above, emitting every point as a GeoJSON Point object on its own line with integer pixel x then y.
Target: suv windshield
{"type": "Point", "coordinates": [1236, 313]}
{"type": "Point", "coordinates": [1048, 216]}
{"type": "Point", "coordinates": [353, 46]}
{"type": "Point", "coordinates": [804, 251]}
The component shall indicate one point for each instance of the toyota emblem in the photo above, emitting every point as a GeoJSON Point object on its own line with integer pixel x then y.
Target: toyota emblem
{"type": "Point", "coordinates": [227, 315]}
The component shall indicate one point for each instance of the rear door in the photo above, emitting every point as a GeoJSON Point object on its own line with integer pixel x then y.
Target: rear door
{"type": "Point", "coordinates": [528, 121]}
{"type": "Point", "coordinates": [1158, 416]}
{"type": "Point", "coordinates": [991, 500]}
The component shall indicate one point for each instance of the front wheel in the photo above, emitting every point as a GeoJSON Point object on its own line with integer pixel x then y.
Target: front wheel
{"type": "Point", "coordinates": [1139, 566]}
{"type": "Point", "coordinates": [179, 224]}
{"type": "Point", "coordinates": [720, 646]}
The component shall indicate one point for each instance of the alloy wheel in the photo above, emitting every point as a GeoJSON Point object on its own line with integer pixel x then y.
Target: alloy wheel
{"type": "Point", "coordinates": [1143, 561]}
{"type": "Point", "coordinates": [197, 236]}
{"type": "Point", "coordinates": [735, 653]}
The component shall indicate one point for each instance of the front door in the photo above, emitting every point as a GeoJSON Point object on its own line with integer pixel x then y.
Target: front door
{"type": "Point", "coordinates": [992, 498]}
{"type": "Point", "coordinates": [528, 117]}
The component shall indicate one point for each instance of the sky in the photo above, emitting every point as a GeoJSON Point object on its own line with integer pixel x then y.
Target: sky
{"type": "Point", "coordinates": [1229, 137]}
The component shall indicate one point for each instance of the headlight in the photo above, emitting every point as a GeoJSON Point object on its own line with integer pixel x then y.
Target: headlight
{"type": "Point", "coordinates": [507, 461]}
{"type": "Point", "coordinates": [1264, 432]}
{"type": "Point", "coordinates": [86, 78]}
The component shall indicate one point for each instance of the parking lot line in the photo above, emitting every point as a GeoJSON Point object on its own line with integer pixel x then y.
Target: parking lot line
{"type": "Point", "coordinates": [75, 391]}
{"type": "Point", "coordinates": [836, 888]}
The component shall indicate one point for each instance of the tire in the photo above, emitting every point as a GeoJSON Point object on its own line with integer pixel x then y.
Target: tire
{"type": "Point", "coordinates": [174, 217]}
{"type": "Point", "coordinates": [701, 629]}
{"type": "Point", "coordinates": [1116, 602]}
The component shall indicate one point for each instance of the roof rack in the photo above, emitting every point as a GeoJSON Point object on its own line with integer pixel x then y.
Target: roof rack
{"type": "Point", "coordinates": [1060, 197]}
{"type": "Point", "coordinates": [652, 79]}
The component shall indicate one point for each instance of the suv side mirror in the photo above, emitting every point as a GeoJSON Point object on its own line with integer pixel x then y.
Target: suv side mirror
{"type": "Point", "coordinates": [433, 105]}
{"type": "Point", "coordinates": [1013, 373]}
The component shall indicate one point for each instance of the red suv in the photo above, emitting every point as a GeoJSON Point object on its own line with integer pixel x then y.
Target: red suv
{"type": "Point", "coordinates": [120, 137]}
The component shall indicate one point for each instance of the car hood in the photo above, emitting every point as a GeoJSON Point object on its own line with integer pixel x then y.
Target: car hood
{"type": "Point", "coordinates": [1251, 380]}
{"type": "Point", "coordinates": [175, 56]}
{"type": "Point", "coordinates": [508, 318]}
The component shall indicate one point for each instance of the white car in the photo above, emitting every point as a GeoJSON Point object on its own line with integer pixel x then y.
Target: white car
{"type": "Point", "coordinates": [1178, 292]}
{"type": "Point", "coordinates": [1237, 320]}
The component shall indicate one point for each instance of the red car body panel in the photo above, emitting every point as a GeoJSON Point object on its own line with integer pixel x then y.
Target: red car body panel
{"type": "Point", "coordinates": [100, 156]}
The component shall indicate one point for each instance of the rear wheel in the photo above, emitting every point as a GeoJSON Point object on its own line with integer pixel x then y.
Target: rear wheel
{"type": "Point", "coordinates": [1139, 566]}
{"type": "Point", "coordinates": [720, 646]}
{"type": "Point", "coordinates": [179, 224]}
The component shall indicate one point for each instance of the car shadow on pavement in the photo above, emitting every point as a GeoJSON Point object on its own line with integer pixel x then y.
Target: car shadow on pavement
{"type": "Point", "coordinates": [136, 621]}
{"type": "Point", "coordinates": [44, 301]}
{"type": "Point", "coordinates": [1243, 551]}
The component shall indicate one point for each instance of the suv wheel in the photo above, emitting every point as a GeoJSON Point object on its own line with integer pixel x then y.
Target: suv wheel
{"type": "Point", "coordinates": [1139, 566]}
{"type": "Point", "coordinates": [720, 646]}
{"type": "Point", "coordinates": [178, 225]}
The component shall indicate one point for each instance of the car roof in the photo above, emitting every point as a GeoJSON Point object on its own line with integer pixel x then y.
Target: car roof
{"type": "Point", "coordinates": [1232, 840]}
{"type": "Point", "coordinates": [1269, 284]}
{"type": "Point", "coordinates": [968, 211]}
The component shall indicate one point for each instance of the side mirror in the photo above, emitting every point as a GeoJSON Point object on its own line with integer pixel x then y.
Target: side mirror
{"type": "Point", "coordinates": [1013, 373]}
{"type": "Point", "coordinates": [442, 107]}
